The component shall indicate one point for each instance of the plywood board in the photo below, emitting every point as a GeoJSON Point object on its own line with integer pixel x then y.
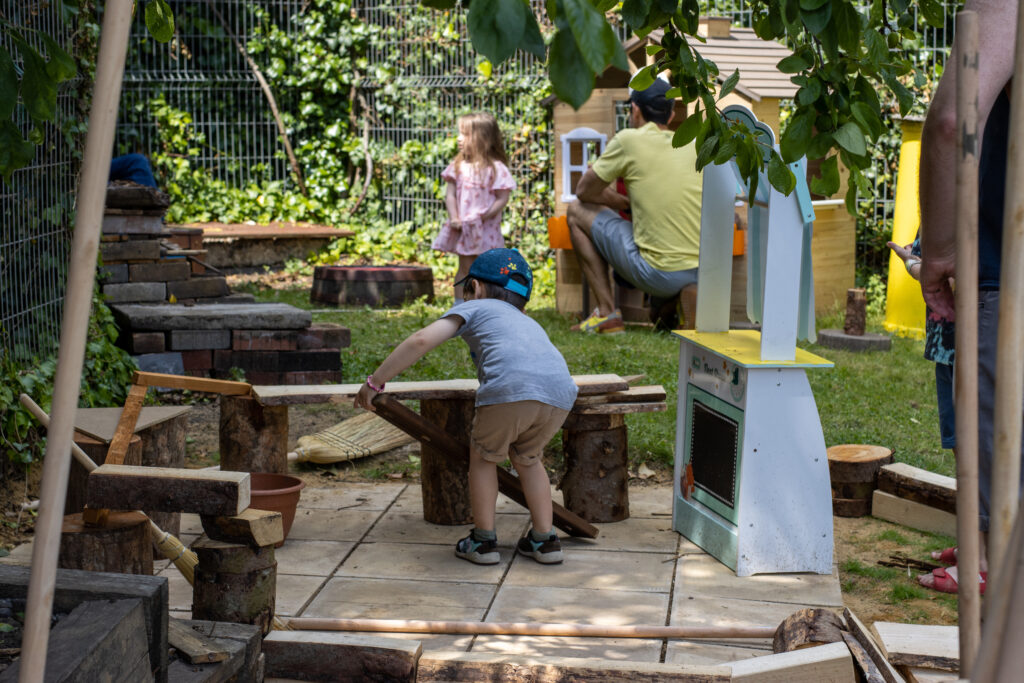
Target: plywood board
{"type": "Point", "coordinates": [823, 664]}
{"type": "Point", "coordinates": [101, 423]}
{"type": "Point", "coordinates": [929, 646]}
{"type": "Point", "coordinates": [914, 515]}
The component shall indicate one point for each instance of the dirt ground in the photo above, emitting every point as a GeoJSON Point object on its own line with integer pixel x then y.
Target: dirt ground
{"type": "Point", "coordinates": [874, 592]}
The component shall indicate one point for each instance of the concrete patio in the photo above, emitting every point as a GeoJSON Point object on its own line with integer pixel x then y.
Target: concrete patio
{"type": "Point", "coordinates": [364, 551]}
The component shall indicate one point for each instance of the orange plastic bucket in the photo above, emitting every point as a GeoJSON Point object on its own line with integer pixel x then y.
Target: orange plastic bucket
{"type": "Point", "coordinates": [558, 233]}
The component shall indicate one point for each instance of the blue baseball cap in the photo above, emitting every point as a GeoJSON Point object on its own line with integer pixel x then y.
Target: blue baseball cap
{"type": "Point", "coordinates": [497, 265]}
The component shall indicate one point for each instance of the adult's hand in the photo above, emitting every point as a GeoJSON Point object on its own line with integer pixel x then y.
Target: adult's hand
{"type": "Point", "coordinates": [936, 278]}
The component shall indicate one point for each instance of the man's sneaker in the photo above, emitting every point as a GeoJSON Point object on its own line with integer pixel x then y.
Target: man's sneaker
{"type": "Point", "coordinates": [478, 552]}
{"type": "Point", "coordinates": [601, 324]}
{"type": "Point", "coordinates": [548, 551]}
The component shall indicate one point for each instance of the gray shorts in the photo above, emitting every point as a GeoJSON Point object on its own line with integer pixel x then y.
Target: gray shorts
{"type": "Point", "coordinates": [613, 237]}
{"type": "Point", "coordinates": [988, 324]}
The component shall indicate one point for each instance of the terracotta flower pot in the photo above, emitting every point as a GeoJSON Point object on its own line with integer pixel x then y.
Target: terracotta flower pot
{"type": "Point", "coordinates": [276, 492]}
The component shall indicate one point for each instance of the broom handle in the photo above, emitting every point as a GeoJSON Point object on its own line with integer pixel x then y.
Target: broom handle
{"type": "Point", "coordinates": [526, 628]}
{"type": "Point", "coordinates": [44, 419]}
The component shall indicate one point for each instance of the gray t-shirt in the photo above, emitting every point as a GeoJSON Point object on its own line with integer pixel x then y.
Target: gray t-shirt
{"type": "Point", "coordinates": [515, 360]}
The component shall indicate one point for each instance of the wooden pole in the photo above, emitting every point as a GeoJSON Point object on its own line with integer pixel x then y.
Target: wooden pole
{"type": "Point", "coordinates": [117, 20]}
{"type": "Point", "coordinates": [527, 628]}
{"type": "Point", "coordinates": [966, 367]}
{"type": "Point", "coordinates": [1009, 389]}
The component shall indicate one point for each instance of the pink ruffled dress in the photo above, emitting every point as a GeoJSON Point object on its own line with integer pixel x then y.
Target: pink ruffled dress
{"type": "Point", "coordinates": [474, 193]}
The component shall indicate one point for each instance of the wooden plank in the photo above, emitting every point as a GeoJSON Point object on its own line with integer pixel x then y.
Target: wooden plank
{"type": "Point", "coordinates": [270, 395]}
{"type": "Point", "coordinates": [166, 489]}
{"type": "Point", "coordinates": [126, 425]}
{"type": "Point", "coordinates": [929, 646]}
{"type": "Point", "coordinates": [256, 527]}
{"type": "Point", "coordinates": [214, 386]}
{"type": "Point", "coordinates": [193, 646]}
{"type": "Point", "coordinates": [389, 408]}
{"type": "Point", "coordinates": [912, 514]}
{"type": "Point", "coordinates": [456, 665]}
{"type": "Point", "coordinates": [867, 640]}
{"type": "Point", "coordinates": [868, 670]}
{"type": "Point", "coordinates": [823, 664]}
{"type": "Point", "coordinates": [919, 675]}
{"type": "Point", "coordinates": [620, 408]}
{"type": "Point", "coordinates": [645, 394]}
{"type": "Point", "coordinates": [101, 423]}
{"type": "Point", "coordinates": [922, 486]}
{"type": "Point", "coordinates": [316, 656]}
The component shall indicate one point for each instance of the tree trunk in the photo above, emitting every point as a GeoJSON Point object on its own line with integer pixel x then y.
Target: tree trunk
{"type": "Point", "coordinates": [253, 437]}
{"type": "Point", "coordinates": [122, 546]}
{"type": "Point", "coordinates": [806, 628]}
{"type": "Point", "coordinates": [444, 476]}
{"type": "Point", "coordinates": [856, 312]}
{"type": "Point", "coordinates": [596, 481]}
{"type": "Point", "coordinates": [853, 470]}
{"type": "Point", "coordinates": [235, 583]}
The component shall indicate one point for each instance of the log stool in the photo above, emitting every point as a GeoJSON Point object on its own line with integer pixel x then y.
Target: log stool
{"type": "Point", "coordinates": [234, 582]}
{"type": "Point", "coordinates": [853, 470]}
{"type": "Point", "coordinates": [443, 478]}
{"type": "Point", "coordinates": [253, 437]}
{"type": "Point", "coordinates": [121, 546]}
{"type": "Point", "coordinates": [97, 452]}
{"type": "Point", "coordinates": [596, 481]}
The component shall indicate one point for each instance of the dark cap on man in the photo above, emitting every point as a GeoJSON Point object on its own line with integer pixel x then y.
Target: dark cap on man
{"type": "Point", "coordinates": [652, 101]}
{"type": "Point", "coordinates": [497, 266]}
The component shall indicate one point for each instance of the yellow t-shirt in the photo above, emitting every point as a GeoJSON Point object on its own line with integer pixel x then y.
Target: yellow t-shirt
{"type": "Point", "coordinates": [664, 193]}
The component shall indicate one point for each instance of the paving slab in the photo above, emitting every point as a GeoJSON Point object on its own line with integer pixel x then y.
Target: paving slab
{"type": "Point", "coordinates": [618, 649]}
{"type": "Point", "coordinates": [367, 598]}
{"type": "Point", "coordinates": [190, 524]}
{"type": "Point", "coordinates": [650, 502]}
{"type": "Point", "coordinates": [179, 591]}
{"type": "Point", "coordinates": [262, 316]}
{"type": "Point", "coordinates": [311, 558]}
{"type": "Point", "coordinates": [688, 610]}
{"type": "Point", "coordinates": [332, 525]}
{"type": "Point", "coordinates": [408, 527]}
{"type": "Point", "coordinates": [411, 500]}
{"type": "Point", "coordinates": [699, 653]}
{"type": "Point", "coordinates": [430, 641]}
{"type": "Point", "coordinates": [354, 496]}
{"type": "Point", "coordinates": [704, 576]}
{"type": "Point", "coordinates": [644, 535]}
{"type": "Point", "coordinates": [597, 570]}
{"type": "Point", "coordinates": [418, 561]}
{"type": "Point", "coordinates": [21, 556]}
{"type": "Point", "coordinates": [294, 591]}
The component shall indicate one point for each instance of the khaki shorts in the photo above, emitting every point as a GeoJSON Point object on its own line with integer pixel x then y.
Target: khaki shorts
{"type": "Point", "coordinates": [517, 430]}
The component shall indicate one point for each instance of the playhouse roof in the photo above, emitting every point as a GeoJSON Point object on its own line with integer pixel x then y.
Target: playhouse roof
{"type": "Point", "coordinates": [740, 49]}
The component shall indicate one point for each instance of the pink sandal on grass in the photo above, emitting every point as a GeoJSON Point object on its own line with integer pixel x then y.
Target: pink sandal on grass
{"type": "Point", "coordinates": [946, 556]}
{"type": "Point", "coordinates": [944, 583]}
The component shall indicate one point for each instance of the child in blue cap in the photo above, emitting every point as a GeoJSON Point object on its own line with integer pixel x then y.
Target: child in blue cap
{"type": "Point", "coordinates": [525, 394]}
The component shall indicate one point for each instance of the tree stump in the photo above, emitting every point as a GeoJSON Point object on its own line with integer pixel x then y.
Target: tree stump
{"type": "Point", "coordinates": [596, 481]}
{"type": "Point", "coordinates": [234, 582]}
{"type": "Point", "coordinates": [122, 546]}
{"type": "Point", "coordinates": [444, 477]}
{"type": "Point", "coordinates": [253, 437]}
{"type": "Point", "coordinates": [371, 285]}
{"type": "Point", "coordinates": [856, 311]}
{"type": "Point", "coordinates": [853, 470]}
{"type": "Point", "coordinates": [807, 628]}
{"type": "Point", "coordinates": [97, 452]}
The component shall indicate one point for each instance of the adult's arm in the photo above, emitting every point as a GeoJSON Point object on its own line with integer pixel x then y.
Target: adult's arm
{"type": "Point", "coordinates": [937, 191]}
{"type": "Point", "coordinates": [592, 189]}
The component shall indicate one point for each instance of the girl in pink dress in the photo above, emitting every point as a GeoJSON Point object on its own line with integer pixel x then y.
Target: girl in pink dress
{"type": "Point", "coordinates": [479, 184]}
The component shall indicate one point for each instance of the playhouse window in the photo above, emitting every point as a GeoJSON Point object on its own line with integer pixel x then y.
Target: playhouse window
{"type": "Point", "coordinates": [580, 147]}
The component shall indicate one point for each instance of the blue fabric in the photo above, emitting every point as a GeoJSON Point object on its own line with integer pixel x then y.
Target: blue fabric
{"type": "Point", "coordinates": [515, 360]}
{"type": "Point", "coordinates": [133, 167]}
{"type": "Point", "coordinates": [944, 393]}
{"type": "Point", "coordinates": [992, 192]}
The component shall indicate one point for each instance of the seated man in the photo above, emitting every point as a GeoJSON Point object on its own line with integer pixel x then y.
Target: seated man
{"type": "Point", "coordinates": [657, 251]}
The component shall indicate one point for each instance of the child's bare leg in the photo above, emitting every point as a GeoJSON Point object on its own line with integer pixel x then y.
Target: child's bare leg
{"type": "Point", "coordinates": [464, 263]}
{"type": "Point", "coordinates": [483, 491]}
{"type": "Point", "coordinates": [537, 489]}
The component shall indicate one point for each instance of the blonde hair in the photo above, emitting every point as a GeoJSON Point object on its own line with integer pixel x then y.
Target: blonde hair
{"type": "Point", "coordinates": [483, 144]}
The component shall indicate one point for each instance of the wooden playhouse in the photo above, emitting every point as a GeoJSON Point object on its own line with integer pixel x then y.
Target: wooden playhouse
{"type": "Point", "coordinates": [580, 136]}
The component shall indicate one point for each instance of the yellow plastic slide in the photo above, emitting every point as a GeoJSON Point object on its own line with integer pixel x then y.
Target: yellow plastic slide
{"type": "Point", "coordinates": [904, 307]}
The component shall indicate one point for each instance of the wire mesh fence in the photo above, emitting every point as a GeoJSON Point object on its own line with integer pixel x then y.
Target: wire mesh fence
{"type": "Point", "coordinates": [36, 214]}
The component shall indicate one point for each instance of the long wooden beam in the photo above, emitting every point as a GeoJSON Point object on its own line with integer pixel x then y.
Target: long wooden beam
{"type": "Point", "coordinates": [214, 386]}
{"type": "Point", "coordinates": [389, 408]}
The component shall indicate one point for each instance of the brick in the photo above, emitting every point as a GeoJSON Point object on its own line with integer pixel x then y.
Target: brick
{"type": "Point", "coordinates": [265, 340]}
{"type": "Point", "coordinates": [198, 287]}
{"type": "Point", "coordinates": [133, 224]}
{"type": "Point", "coordinates": [135, 292]}
{"type": "Point", "coordinates": [189, 340]}
{"type": "Point", "coordinates": [146, 342]}
{"type": "Point", "coordinates": [263, 361]}
{"type": "Point", "coordinates": [168, 270]}
{"type": "Point", "coordinates": [113, 274]}
{"type": "Point", "coordinates": [222, 359]}
{"type": "Point", "coordinates": [325, 336]}
{"type": "Point", "coordinates": [227, 316]}
{"type": "Point", "coordinates": [197, 360]}
{"type": "Point", "coordinates": [305, 361]}
{"type": "Point", "coordinates": [130, 250]}
{"type": "Point", "coordinates": [258, 377]}
{"type": "Point", "coordinates": [313, 377]}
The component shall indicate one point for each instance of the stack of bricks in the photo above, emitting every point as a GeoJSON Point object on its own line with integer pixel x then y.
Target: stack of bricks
{"type": "Point", "coordinates": [309, 356]}
{"type": "Point", "coordinates": [142, 259]}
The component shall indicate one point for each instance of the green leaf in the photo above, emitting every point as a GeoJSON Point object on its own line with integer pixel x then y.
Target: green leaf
{"type": "Point", "coordinates": [797, 137]}
{"type": "Point", "coordinates": [38, 89]}
{"type": "Point", "coordinates": [496, 27]}
{"type": "Point", "coordinates": [588, 26]}
{"type": "Point", "coordinates": [160, 20]}
{"type": "Point", "coordinates": [8, 84]}
{"type": "Point", "coordinates": [851, 138]}
{"type": "Point", "coordinates": [809, 93]}
{"type": "Point", "coordinates": [687, 130]}
{"type": "Point", "coordinates": [821, 145]}
{"type": "Point", "coordinates": [668, 6]}
{"type": "Point", "coordinates": [730, 84]}
{"type": "Point", "coordinates": [15, 151]}
{"type": "Point", "coordinates": [643, 78]}
{"type": "Point", "coordinates": [812, 4]}
{"type": "Point", "coordinates": [847, 22]}
{"type": "Point", "coordinates": [816, 20]}
{"type": "Point", "coordinates": [61, 66]}
{"type": "Point", "coordinates": [780, 175]}
{"type": "Point", "coordinates": [635, 12]}
{"type": "Point", "coordinates": [878, 50]}
{"type": "Point", "coordinates": [726, 151]}
{"type": "Point", "coordinates": [868, 119]}
{"type": "Point", "coordinates": [571, 80]}
{"type": "Point", "coordinates": [934, 12]}
{"type": "Point", "coordinates": [827, 181]}
{"type": "Point", "coordinates": [793, 64]}
{"type": "Point", "coordinates": [532, 40]}
{"type": "Point", "coordinates": [707, 151]}
{"type": "Point", "coordinates": [439, 4]}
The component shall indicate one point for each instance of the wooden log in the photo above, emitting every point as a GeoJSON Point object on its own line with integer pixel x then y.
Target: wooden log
{"type": "Point", "coordinates": [869, 673]}
{"type": "Point", "coordinates": [444, 478]}
{"type": "Point", "coordinates": [97, 451]}
{"type": "Point", "coordinates": [595, 485]}
{"type": "Point", "coordinates": [914, 515]}
{"type": "Point", "coordinates": [258, 528]}
{"type": "Point", "coordinates": [859, 631]}
{"type": "Point", "coordinates": [806, 628]}
{"type": "Point", "coordinates": [853, 470]}
{"type": "Point", "coordinates": [920, 645]}
{"type": "Point", "coordinates": [856, 311]}
{"type": "Point", "coordinates": [122, 546]}
{"type": "Point", "coordinates": [922, 486]}
{"type": "Point", "coordinates": [415, 426]}
{"type": "Point", "coordinates": [328, 657]}
{"type": "Point", "coordinates": [241, 641]}
{"type": "Point", "coordinates": [192, 645]}
{"type": "Point", "coordinates": [621, 408]}
{"type": "Point", "coordinates": [206, 492]}
{"type": "Point", "coordinates": [831, 662]}
{"type": "Point", "coordinates": [235, 583]}
{"type": "Point", "coordinates": [851, 507]}
{"type": "Point", "coordinates": [253, 437]}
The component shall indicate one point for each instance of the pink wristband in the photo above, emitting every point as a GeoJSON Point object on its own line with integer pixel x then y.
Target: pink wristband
{"type": "Point", "coordinates": [373, 386]}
